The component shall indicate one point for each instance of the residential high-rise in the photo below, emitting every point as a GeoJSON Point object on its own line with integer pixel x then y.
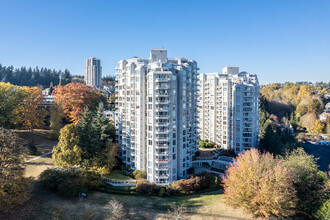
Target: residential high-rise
{"type": "Point", "coordinates": [228, 109]}
{"type": "Point", "coordinates": [93, 72]}
{"type": "Point", "coordinates": [156, 115]}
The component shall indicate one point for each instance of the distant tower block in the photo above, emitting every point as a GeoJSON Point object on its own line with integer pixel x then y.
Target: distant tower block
{"type": "Point", "coordinates": [93, 72]}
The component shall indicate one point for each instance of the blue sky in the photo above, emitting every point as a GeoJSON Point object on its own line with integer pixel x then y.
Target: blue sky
{"type": "Point", "coordinates": [280, 40]}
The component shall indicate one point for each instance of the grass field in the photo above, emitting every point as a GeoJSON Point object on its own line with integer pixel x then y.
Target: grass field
{"type": "Point", "coordinates": [116, 175]}
{"type": "Point", "coordinates": [208, 204]}
{"type": "Point", "coordinates": [34, 168]}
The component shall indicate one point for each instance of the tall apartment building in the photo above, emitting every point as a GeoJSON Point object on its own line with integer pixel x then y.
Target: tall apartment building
{"type": "Point", "coordinates": [228, 109]}
{"type": "Point", "coordinates": [156, 115]}
{"type": "Point", "coordinates": [93, 72]}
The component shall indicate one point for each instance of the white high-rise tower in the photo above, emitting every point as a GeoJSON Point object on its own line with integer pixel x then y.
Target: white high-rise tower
{"type": "Point", "coordinates": [156, 115]}
{"type": "Point", "coordinates": [93, 72]}
{"type": "Point", "coordinates": [228, 109]}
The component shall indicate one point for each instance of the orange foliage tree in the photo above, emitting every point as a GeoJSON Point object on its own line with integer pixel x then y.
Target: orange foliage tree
{"type": "Point", "coordinates": [28, 114]}
{"type": "Point", "coordinates": [74, 97]}
{"type": "Point", "coordinates": [260, 185]}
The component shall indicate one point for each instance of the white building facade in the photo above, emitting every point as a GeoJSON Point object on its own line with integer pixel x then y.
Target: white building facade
{"type": "Point", "coordinates": [156, 115]}
{"type": "Point", "coordinates": [93, 72]}
{"type": "Point", "coordinates": [228, 109]}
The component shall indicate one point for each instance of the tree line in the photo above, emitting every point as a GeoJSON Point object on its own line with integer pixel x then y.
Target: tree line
{"type": "Point", "coordinates": [34, 76]}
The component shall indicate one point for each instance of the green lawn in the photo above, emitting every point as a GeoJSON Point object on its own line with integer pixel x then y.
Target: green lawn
{"type": "Point", "coordinates": [116, 175]}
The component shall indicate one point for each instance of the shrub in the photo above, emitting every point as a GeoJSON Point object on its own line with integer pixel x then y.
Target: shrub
{"type": "Point", "coordinates": [164, 191]}
{"type": "Point", "coordinates": [31, 149]}
{"type": "Point", "coordinates": [206, 144]}
{"type": "Point", "coordinates": [260, 184]}
{"type": "Point", "coordinates": [208, 180]}
{"type": "Point", "coordinates": [138, 174]}
{"type": "Point", "coordinates": [190, 185]}
{"type": "Point", "coordinates": [146, 188]}
{"type": "Point", "coordinates": [69, 181]}
{"type": "Point", "coordinates": [324, 212]}
{"type": "Point", "coordinates": [116, 209]}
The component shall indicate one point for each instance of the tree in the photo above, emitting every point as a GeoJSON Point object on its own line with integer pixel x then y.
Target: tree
{"type": "Point", "coordinates": [138, 174]}
{"type": "Point", "coordinates": [74, 97]}
{"type": "Point", "coordinates": [260, 184]}
{"type": "Point", "coordinates": [27, 114]}
{"type": "Point", "coordinates": [276, 140]}
{"type": "Point", "coordinates": [14, 188]}
{"type": "Point", "coordinates": [67, 152]}
{"type": "Point", "coordinates": [308, 180]}
{"type": "Point", "coordinates": [324, 212]}
{"type": "Point", "coordinates": [116, 209]}
{"type": "Point", "coordinates": [314, 107]}
{"type": "Point", "coordinates": [176, 212]}
{"type": "Point", "coordinates": [308, 121]}
{"type": "Point", "coordinates": [10, 97]}
{"type": "Point", "coordinates": [205, 144]}
{"type": "Point", "coordinates": [318, 126]}
{"type": "Point", "coordinates": [55, 122]}
{"type": "Point", "coordinates": [87, 144]}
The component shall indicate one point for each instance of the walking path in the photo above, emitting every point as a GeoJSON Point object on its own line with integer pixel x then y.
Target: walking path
{"type": "Point", "coordinates": [36, 158]}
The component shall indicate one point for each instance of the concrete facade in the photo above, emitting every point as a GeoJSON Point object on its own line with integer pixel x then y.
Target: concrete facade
{"type": "Point", "coordinates": [228, 109]}
{"type": "Point", "coordinates": [156, 115]}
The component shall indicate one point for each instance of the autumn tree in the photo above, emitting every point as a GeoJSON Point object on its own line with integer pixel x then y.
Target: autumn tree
{"type": "Point", "coordinates": [308, 121]}
{"type": "Point", "coordinates": [315, 106]}
{"type": "Point", "coordinates": [14, 188]}
{"type": "Point", "coordinates": [55, 121]}
{"type": "Point", "coordinates": [318, 126]}
{"type": "Point", "coordinates": [89, 143]}
{"type": "Point", "coordinates": [74, 97]}
{"type": "Point", "coordinates": [260, 185]}
{"type": "Point", "coordinates": [67, 152]}
{"type": "Point", "coordinates": [308, 180]}
{"type": "Point", "coordinates": [10, 98]}
{"type": "Point", "coordinates": [27, 114]}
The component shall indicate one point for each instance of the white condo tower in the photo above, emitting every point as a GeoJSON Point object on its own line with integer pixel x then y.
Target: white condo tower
{"type": "Point", "coordinates": [156, 115]}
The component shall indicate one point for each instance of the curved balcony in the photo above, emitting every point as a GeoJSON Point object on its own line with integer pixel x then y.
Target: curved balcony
{"type": "Point", "coordinates": [162, 167]}
{"type": "Point", "coordinates": [162, 161]}
{"type": "Point", "coordinates": [165, 153]}
{"type": "Point", "coordinates": [162, 79]}
{"type": "Point", "coordinates": [162, 116]}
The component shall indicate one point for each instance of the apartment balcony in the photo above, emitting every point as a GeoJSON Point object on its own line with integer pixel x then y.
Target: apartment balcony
{"type": "Point", "coordinates": [162, 175]}
{"type": "Point", "coordinates": [162, 161]}
{"type": "Point", "coordinates": [162, 131]}
{"type": "Point", "coordinates": [162, 146]}
{"type": "Point", "coordinates": [162, 168]}
{"type": "Point", "coordinates": [161, 94]}
{"type": "Point", "coordinates": [162, 116]}
{"type": "Point", "coordinates": [164, 102]}
{"type": "Point", "coordinates": [162, 79]}
{"type": "Point", "coordinates": [163, 109]}
{"type": "Point", "coordinates": [162, 124]}
{"type": "Point", "coordinates": [162, 86]}
{"type": "Point", "coordinates": [162, 153]}
{"type": "Point", "coordinates": [162, 138]}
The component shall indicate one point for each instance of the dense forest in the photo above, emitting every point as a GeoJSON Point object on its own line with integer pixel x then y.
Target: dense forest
{"type": "Point", "coordinates": [290, 106]}
{"type": "Point", "coordinates": [43, 77]}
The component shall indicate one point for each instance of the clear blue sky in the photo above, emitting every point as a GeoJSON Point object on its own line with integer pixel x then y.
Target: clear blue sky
{"type": "Point", "coordinates": [280, 40]}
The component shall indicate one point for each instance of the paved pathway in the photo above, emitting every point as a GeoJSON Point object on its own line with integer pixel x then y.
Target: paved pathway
{"type": "Point", "coordinates": [36, 158]}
